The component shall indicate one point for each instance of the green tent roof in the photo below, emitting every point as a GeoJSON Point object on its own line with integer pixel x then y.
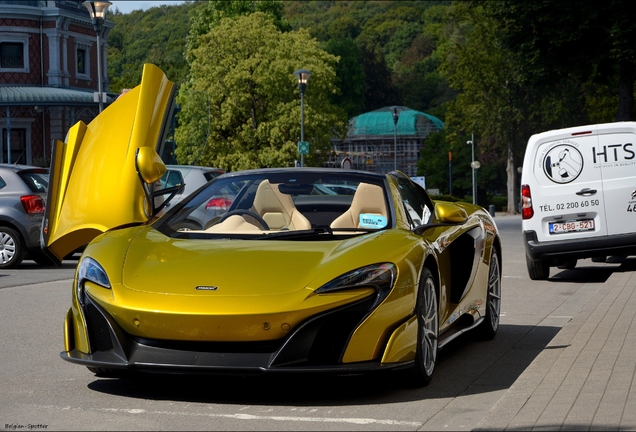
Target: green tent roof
{"type": "Point", "coordinates": [380, 122]}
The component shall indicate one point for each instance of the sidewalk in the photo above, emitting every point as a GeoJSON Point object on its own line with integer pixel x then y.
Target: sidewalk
{"type": "Point", "coordinates": [585, 377]}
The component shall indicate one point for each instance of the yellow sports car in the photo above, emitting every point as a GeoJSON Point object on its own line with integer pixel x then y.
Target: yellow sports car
{"type": "Point", "coordinates": [269, 270]}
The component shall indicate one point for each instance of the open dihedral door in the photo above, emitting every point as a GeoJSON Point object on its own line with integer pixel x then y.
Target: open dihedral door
{"type": "Point", "coordinates": [95, 173]}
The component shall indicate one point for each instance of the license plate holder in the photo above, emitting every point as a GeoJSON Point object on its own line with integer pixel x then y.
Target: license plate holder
{"type": "Point", "coordinates": [571, 226]}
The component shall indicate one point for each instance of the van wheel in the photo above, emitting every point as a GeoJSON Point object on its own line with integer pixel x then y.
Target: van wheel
{"type": "Point", "coordinates": [598, 259]}
{"type": "Point", "coordinates": [568, 265]}
{"type": "Point", "coordinates": [537, 270]}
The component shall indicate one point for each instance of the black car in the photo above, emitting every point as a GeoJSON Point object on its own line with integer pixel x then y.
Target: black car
{"type": "Point", "coordinates": [22, 199]}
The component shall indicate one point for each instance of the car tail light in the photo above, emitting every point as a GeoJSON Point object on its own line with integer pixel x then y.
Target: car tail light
{"type": "Point", "coordinates": [219, 203]}
{"type": "Point", "coordinates": [33, 204]}
{"type": "Point", "coordinates": [526, 202]}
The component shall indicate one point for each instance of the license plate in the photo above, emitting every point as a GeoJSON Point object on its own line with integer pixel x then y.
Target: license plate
{"type": "Point", "coordinates": [571, 226]}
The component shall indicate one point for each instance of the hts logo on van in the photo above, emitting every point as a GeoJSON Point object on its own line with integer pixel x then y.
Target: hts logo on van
{"type": "Point", "coordinates": [563, 163]}
{"type": "Point", "coordinates": [613, 153]}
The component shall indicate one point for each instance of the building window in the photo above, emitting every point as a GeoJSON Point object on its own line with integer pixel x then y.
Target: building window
{"type": "Point", "coordinates": [82, 57]}
{"type": "Point", "coordinates": [14, 52]}
{"type": "Point", "coordinates": [81, 61]}
{"type": "Point", "coordinates": [11, 55]}
{"type": "Point", "coordinates": [18, 144]}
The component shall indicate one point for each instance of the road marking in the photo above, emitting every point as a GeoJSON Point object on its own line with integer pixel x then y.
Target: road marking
{"type": "Point", "coordinates": [358, 421]}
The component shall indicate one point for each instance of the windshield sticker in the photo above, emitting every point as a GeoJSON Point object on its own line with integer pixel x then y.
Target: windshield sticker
{"type": "Point", "coordinates": [372, 221]}
{"type": "Point", "coordinates": [563, 163]}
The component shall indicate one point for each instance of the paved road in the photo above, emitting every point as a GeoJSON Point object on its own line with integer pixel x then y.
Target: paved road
{"type": "Point", "coordinates": [472, 377]}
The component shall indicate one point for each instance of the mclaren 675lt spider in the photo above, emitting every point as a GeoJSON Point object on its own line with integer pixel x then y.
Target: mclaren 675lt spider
{"type": "Point", "coordinates": [271, 270]}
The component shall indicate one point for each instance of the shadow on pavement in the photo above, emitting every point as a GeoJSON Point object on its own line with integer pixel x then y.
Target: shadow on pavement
{"type": "Point", "coordinates": [465, 366]}
{"type": "Point", "coordinates": [596, 274]}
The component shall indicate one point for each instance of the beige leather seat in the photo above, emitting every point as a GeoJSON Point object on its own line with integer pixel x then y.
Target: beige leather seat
{"type": "Point", "coordinates": [278, 209]}
{"type": "Point", "coordinates": [368, 199]}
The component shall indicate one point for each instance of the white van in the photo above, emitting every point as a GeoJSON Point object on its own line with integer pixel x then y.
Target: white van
{"type": "Point", "coordinates": [578, 194]}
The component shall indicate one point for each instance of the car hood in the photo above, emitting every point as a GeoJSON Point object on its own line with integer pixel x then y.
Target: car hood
{"type": "Point", "coordinates": [94, 183]}
{"type": "Point", "coordinates": [158, 264]}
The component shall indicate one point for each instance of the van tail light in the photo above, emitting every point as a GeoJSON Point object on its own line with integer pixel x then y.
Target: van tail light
{"type": "Point", "coordinates": [33, 204]}
{"type": "Point", "coordinates": [526, 202]}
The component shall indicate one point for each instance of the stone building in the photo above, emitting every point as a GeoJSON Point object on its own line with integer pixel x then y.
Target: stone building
{"type": "Point", "coordinates": [48, 75]}
{"type": "Point", "coordinates": [375, 142]}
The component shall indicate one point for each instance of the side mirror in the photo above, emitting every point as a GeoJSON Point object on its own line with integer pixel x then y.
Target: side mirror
{"type": "Point", "coordinates": [450, 213]}
{"type": "Point", "coordinates": [149, 165]}
{"type": "Point", "coordinates": [150, 169]}
{"type": "Point", "coordinates": [447, 214]}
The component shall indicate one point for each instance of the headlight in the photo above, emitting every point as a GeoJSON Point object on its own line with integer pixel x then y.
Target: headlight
{"type": "Point", "coordinates": [378, 276]}
{"type": "Point", "coordinates": [90, 270]}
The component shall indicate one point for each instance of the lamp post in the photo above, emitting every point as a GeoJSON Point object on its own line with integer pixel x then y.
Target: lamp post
{"type": "Point", "coordinates": [396, 116]}
{"type": "Point", "coordinates": [302, 75]}
{"type": "Point", "coordinates": [450, 173]}
{"type": "Point", "coordinates": [97, 11]}
{"type": "Point", "coordinates": [474, 165]}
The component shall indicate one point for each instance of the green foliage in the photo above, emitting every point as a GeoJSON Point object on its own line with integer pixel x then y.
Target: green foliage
{"type": "Point", "coordinates": [572, 47]}
{"type": "Point", "coordinates": [209, 14]}
{"type": "Point", "coordinates": [395, 51]}
{"type": "Point", "coordinates": [350, 74]}
{"type": "Point", "coordinates": [242, 75]}
{"type": "Point", "coordinates": [156, 36]}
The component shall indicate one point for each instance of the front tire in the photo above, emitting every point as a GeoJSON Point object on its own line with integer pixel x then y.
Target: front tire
{"type": "Point", "coordinates": [12, 249]}
{"type": "Point", "coordinates": [427, 333]}
{"type": "Point", "coordinates": [537, 270]}
{"type": "Point", "coordinates": [490, 325]}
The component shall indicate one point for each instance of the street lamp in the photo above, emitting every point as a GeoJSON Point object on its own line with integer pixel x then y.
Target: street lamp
{"type": "Point", "coordinates": [396, 116]}
{"type": "Point", "coordinates": [302, 76]}
{"type": "Point", "coordinates": [474, 165]}
{"type": "Point", "coordinates": [97, 11]}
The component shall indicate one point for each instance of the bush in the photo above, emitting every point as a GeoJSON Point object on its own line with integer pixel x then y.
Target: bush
{"type": "Point", "coordinates": [499, 201]}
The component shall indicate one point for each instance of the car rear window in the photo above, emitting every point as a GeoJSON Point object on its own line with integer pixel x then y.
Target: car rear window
{"type": "Point", "coordinates": [36, 180]}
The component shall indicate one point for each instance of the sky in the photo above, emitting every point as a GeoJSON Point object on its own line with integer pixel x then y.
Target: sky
{"type": "Point", "coordinates": [126, 6]}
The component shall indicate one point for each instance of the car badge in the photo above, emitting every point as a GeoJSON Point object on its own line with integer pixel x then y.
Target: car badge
{"type": "Point", "coordinates": [207, 288]}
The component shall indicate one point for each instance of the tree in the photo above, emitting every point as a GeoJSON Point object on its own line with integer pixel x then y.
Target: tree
{"type": "Point", "coordinates": [210, 13]}
{"type": "Point", "coordinates": [155, 36]}
{"type": "Point", "coordinates": [491, 99]}
{"type": "Point", "coordinates": [350, 74]}
{"type": "Point", "coordinates": [565, 41]}
{"type": "Point", "coordinates": [242, 75]}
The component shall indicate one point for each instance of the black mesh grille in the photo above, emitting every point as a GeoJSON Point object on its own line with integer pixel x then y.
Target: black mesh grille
{"type": "Point", "coordinates": [98, 334]}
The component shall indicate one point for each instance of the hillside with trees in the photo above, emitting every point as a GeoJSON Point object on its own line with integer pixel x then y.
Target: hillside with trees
{"type": "Point", "coordinates": [501, 70]}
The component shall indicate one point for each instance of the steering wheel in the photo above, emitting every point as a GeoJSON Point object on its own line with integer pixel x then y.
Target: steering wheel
{"type": "Point", "coordinates": [260, 220]}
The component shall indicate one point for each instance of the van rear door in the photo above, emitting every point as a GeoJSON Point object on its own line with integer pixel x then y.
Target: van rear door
{"type": "Point", "coordinates": [568, 201]}
{"type": "Point", "coordinates": [615, 157]}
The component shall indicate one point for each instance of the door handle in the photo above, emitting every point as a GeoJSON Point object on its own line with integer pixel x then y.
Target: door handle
{"type": "Point", "coordinates": [586, 192]}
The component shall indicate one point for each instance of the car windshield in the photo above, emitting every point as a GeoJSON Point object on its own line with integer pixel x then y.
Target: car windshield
{"type": "Point", "coordinates": [280, 204]}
